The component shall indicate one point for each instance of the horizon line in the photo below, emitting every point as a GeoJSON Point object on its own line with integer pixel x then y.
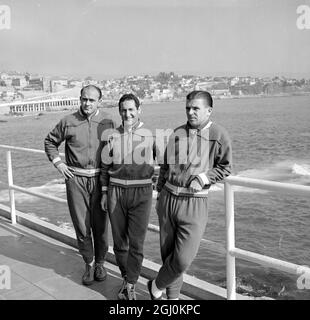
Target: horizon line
{"type": "Point", "coordinates": [96, 76]}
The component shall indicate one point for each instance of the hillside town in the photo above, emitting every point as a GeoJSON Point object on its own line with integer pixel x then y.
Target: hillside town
{"type": "Point", "coordinates": [165, 86]}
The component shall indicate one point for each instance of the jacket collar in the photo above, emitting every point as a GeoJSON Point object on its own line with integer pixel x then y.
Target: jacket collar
{"type": "Point", "coordinates": [85, 116]}
{"type": "Point", "coordinates": [203, 126]}
{"type": "Point", "coordinates": [136, 126]}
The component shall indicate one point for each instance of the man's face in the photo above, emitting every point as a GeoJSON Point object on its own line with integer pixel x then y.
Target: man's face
{"type": "Point", "coordinates": [129, 112]}
{"type": "Point", "coordinates": [197, 112]}
{"type": "Point", "coordinates": [89, 101]}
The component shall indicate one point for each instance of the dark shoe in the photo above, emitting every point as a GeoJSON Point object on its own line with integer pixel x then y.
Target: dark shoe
{"type": "Point", "coordinates": [131, 291]}
{"type": "Point", "coordinates": [123, 293]}
{"type": "Point", "coordinates": [87, 278]}
{"type": "Point", "coordinates": [100, 273]}
{"type": "Point", "coordinates": [149, 286]}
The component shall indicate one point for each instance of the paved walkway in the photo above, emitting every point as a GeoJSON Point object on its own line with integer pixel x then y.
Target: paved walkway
{"type": "Point", "coordinates": [42, 268]}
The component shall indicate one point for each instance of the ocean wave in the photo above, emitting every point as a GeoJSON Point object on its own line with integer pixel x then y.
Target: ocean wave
{"type": "Point", "coordinates": [261, 285]}
{"type": "Point", "coordinates": [284, 171]}
{"type": "Point", "coordinates": [65, 225]}
{"type": "Point", "coordinates": [220, 188]}
{"type": "Point", "coordinates": [301, 170]}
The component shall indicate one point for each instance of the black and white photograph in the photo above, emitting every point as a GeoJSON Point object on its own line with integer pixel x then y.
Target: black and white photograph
{"type": "Point", "coordinates": [155, 150]}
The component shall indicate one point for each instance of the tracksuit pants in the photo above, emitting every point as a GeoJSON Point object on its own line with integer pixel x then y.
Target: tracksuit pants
{"type": "Point", "coordinates": [89, 220]}
{"type": "Point", "coordinates": [182, 222]}
{"type": "Point", "coordinates": [129, 210]}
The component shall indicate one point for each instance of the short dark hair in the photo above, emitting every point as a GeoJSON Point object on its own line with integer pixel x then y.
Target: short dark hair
{"type": "Point", "coordinates": [200, 94]}
{"type": "Point", "coordinates": [129, 96]}
{"type": "Point", "coordinates": [93, 87]}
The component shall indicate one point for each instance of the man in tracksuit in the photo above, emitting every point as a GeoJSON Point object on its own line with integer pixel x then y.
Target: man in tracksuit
{"type": "Point", "coordinates": [127, 175]}
{"type": "Point", "coordinates": [198, 154]}
{"type": "Point", "coordinates": [82, 132]}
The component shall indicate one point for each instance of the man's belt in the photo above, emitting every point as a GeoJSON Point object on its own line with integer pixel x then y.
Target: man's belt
{"type": "Point", "coordinates": [85, 172]}
{"type": "Point", "coordinates": [130, 183]}
{"type": "Point", "coordinates": [181, 191]}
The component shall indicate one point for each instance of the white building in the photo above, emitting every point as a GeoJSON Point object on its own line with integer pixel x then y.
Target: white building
{"type": "Point", "coordinates": [41, 105]}
{"type": "Point", "coordinates": [205, 85]}
{"type": "Point", "coordinates": [4, 76]}
{"type": "Point", "coordinates": [58, 85]}
{"type": "Point", "coordinates": [19, 81]}
{"type": "Point", "coordinates": [220, 92]}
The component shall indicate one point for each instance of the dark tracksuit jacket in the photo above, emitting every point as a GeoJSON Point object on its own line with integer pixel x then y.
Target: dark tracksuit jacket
{"type": "Point", "coordinates": [127, 170]}
{"type": "Point", "coordinates": [204, 154]}
{"type": "Point", "coordinates": [84, 142]}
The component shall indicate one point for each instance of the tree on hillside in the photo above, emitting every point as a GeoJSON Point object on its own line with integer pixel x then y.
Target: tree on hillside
{"type": "Point", "coordinates": [27, 76]}
{"type": "Point", "coordinates": [164, 77]}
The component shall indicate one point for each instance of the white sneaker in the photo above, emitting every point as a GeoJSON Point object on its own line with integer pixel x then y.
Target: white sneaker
{"type": "Point", "coordinates": [131, 291]}
{"type": "Point", "coordinates": [123, 293]}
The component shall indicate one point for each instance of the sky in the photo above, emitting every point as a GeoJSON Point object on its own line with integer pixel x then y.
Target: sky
{"type": "Point", "coordinates": [104, 38]}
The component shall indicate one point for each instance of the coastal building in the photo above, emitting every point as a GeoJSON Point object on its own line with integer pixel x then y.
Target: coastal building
{"type": "Point", "coordinates": [76, 83]}
{"type": "Point", "coordinates": [8, 93]}
{"type": "Point", "coordinates": [40, 105]}
{"type": "Point", "coordinates": [91, 82]}
{"type": "Point", "coordinates": [204, 85]}
{"type": "Point", "coordinates": [35, 84]}
{"type": "Point", "coordinates": [4, 76]}
{"type": "Point", "coordinates": [6, 79]}
{"type": "Point", "coordinates": [58, 85]}
{"type": "Point", "coordinates": [167, 94]}
{"type": "Point", "coordinates": [221, 92]}
{"type": "Point", "coordinates": [19, 82]}
{"type": "Point", "coordinates": [234, 81]}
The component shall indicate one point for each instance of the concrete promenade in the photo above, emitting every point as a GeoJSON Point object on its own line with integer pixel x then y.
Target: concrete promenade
{"type": "Point", "coordinates": [44, 263]}
{"type": "Point", "coordinates": [45, 269]}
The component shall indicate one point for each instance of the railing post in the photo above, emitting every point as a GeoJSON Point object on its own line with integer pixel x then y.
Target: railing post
{"type": "Point", "coordinates": [230, 242]}
{"type": "Point", "coordinates": [10, 183]}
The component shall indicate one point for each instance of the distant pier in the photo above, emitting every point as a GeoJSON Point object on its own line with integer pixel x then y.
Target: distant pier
{"type": "Point", "coordinates": [39, 105]}
{"type": "Point", "coordinates": [51, 104]}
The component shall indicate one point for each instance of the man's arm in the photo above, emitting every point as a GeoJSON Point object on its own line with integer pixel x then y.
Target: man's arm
{"type": "Point", "coordinates": [51, 144]}
{"type": "Point", "coordinates": [106, 163]}
{"type": "Point", "coordinates": [223, 163]}
{"type": "Point", "coordinates": [221, 169]}
{"type": "Point", "coordinates": [163, 151]}
{"type": "Point", "coordinates": [162, 173]}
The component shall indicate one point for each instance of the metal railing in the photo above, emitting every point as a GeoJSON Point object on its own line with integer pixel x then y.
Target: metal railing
{"type": "Point", "coordinates": [231, 251]}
